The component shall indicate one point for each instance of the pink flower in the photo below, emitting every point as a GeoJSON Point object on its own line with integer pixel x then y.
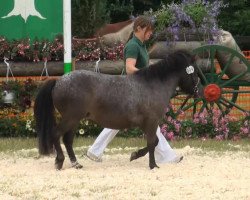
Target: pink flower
{"type": "Point", "coordinates": [170, 136]}
{"type": "Point", "coordinates": [236, 137]}
{"type": "Point", "coordinates": [219, 137]}
{"type": "Point", "coordinates": [196, 121]}
{"type": "Point", "coordinates": [169, 119]}
{"type": "Point", "coordinates": [245, 130]}
{"type": "Point", "coordinates": [167, 109]}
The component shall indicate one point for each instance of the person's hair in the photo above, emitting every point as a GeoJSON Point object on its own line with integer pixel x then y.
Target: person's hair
{"type": "Point", "coordinates": [142, 21]}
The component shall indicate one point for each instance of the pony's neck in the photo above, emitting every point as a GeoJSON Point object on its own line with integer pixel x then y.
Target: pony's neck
{"type": "Point", "coordinates": [170, 84]}
{"type": "Point", "coordinates": [165, 89]}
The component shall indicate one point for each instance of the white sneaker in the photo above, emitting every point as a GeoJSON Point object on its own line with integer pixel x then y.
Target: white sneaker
{"type": "Point", "coordinates": [177, 159]}
{"type": "Point", "coordinates": [93, 157]}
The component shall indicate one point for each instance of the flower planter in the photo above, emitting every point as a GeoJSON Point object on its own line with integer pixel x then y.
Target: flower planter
{"type": "Point", "coordinates": [8, 97]}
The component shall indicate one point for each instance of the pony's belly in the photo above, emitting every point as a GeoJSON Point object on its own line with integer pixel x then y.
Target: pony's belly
{"type": "Point", "coordinates": [114, 122]}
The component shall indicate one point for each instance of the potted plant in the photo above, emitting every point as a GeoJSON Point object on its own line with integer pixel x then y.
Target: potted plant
{"type": "Point", "coordinates": [8, 91]}
{"type": "Point", "coordinates": [190, 18]}
{"type": "Point", "coordinates": [18, 94]}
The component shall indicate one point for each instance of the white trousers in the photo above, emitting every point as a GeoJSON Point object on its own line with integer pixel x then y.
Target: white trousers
{"type": "Point", "coordinates": [163, 152]}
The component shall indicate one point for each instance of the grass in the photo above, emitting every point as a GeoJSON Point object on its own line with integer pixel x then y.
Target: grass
{"type": "Point", "coordinates": [214, 145]}
{"type": "Point", "coordinates": [16, 144]}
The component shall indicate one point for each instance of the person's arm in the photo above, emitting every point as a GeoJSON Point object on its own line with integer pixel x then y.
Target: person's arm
{"type": "Point", "coordinates": [130, 66]}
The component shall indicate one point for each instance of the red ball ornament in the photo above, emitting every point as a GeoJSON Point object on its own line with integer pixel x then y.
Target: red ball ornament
{"type": "Point", "coordinates": [212, 92]}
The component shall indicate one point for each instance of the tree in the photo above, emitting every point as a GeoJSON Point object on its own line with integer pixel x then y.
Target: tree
{"type": "Point", "coordinates": [88, 16]}
{"type": "Point", "coordinates": [120, 10]}
{"type": "Point", "coordinates": [236, 17]}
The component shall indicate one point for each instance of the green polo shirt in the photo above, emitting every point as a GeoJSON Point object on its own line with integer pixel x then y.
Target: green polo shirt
{"type": "Point", "coordinates": [137, 50]}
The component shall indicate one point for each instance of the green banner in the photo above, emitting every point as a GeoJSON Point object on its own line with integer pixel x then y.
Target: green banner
{"type": "Point", "coordinates": [42, 19]}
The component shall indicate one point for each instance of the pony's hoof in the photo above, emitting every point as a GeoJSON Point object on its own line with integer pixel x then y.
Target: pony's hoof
{"type": "Point", "coordinates": [153, 166]}
{"type": "Point", "coordinates": [133, 156]}
{"type": "Point", "coordinates": [58, 165]}
{"type": "Point", "coordinates": [76, 165]}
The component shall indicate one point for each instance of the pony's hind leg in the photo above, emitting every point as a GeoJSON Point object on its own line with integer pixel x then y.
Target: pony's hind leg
{"type": "Point", "coordinates": [63, 127]}
{"type": "Point", "coordinates": [59, 153]}
{"type": "Point", "coordinates": [141, 152]}
{"type": "Point", "coordinates": [68, 142]}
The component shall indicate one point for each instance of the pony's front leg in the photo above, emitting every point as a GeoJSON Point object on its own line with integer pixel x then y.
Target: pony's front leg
{"type": "Point", "coordinates": [151, 143]}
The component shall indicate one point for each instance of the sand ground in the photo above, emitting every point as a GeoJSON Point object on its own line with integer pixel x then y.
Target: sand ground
{"type": "Point", "coordinates": [201, 175]}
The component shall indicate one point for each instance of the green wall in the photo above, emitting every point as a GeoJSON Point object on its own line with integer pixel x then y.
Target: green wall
{"type": "Point", "coordinates": [15, 27]}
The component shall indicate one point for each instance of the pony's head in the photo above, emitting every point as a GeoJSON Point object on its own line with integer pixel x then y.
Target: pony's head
{"type": "Point", "coordinates": [189, 81]}
{"type": "Point", "coordinates": [179, 64]}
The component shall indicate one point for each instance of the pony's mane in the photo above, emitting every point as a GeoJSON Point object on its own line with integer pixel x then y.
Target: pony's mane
{"type": "Point", "coordinates": [174, 62]}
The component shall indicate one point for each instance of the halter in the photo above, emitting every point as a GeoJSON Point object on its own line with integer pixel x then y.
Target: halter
{"type": "Point", "coordinates": [196, 88]}
{"type": "Point", "coordinates": [190, 71]}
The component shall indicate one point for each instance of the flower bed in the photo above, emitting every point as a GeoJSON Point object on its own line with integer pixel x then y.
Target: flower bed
{"type": "Point", "coordinates": [179, 21]}
{"type": "Point", "coordinates": [44, 50]}
{"type": "Point", "coordinates": [16, 120]}
{"type": "Point", "coordinates": [204, 125]}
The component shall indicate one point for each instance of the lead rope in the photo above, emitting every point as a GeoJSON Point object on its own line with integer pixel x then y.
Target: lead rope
{"type": "Point", "coordinates": [190, 71]}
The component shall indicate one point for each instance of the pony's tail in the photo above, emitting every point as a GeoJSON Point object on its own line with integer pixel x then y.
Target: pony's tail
{"type": "Point", "coordinates": [44, 117]}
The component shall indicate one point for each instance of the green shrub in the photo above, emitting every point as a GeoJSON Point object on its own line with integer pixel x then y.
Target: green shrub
{"type": "Point", "coordinates": [17, 126]}
{"type": "Point", "coordinates": [88, 16]}
{"type": "Point", "coordinates": [120, 10]}
{"type": "Point", "coordinates": [197, 12]}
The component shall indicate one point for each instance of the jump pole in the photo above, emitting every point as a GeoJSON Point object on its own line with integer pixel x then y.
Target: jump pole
{"type": "Point", "coordinates": [67, 36]}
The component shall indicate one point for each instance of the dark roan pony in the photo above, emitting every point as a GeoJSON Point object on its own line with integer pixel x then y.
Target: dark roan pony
{"type": "Point", "coordinates": [112, 101]}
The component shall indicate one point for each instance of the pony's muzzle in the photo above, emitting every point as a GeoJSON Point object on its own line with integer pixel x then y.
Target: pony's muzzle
{"type": "Point", "coordinates": [199, 92]}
